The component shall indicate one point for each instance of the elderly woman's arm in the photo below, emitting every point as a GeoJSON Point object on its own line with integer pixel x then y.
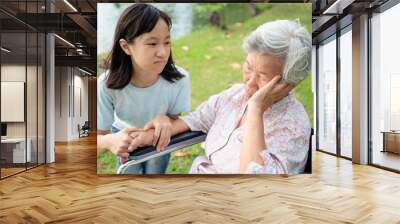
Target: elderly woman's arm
{"type": "Point", "coordinates": [199, 120]}
{"type": "Point", "coordinates": [253, 139]}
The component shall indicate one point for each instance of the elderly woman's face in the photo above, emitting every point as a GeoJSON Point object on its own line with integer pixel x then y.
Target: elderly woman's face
{"type": "Point", "coordinates": [258, 70]}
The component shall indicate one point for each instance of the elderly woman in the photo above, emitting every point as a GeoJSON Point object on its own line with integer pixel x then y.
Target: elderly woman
{"type": "Point", "coordinates": [258, 126]}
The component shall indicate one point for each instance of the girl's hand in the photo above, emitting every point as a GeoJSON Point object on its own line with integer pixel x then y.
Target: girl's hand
{"type": "Point", "coordinates": [162, 131]}
{"type": "Point", "coordinates": [121, 141]}
{"type": "Point", "coordinates": [268, 95]}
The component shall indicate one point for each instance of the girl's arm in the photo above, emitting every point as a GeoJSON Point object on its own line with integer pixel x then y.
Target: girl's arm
{"type": "Point", "coordinates": [103, 142]}
{"type": "Point", "coordinates": [118, 143]}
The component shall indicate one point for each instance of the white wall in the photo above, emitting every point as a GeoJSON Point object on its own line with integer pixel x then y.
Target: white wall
{"type": "Point", "coordinates": [61, 103]}
{"type": "Point", "coordinates": [81, 84]}
{"type": "Point", "coordinates": [70, 83]}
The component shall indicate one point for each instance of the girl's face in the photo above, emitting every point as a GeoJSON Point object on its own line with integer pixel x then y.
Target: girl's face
{"type": "Point", "coordinates": [258, 70]}
{"type": "Point", "coordinates": [150, 51]}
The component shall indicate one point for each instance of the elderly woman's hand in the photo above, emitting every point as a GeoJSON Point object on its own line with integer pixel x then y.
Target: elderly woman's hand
{"type": "Point", "coordinates": [162, 131]}
{"type": "Point", "coordinates": [268, 95]}
{"type": "Point", "coordinates": [141, 138]}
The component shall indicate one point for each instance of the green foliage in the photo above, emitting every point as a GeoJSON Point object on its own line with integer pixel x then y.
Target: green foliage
{"type": "Point", "coordinates": [207, 8]}
{"type": "Point", "coordinates": [229, 13]}
{"type": "Point", "coordinates": [304, 94]}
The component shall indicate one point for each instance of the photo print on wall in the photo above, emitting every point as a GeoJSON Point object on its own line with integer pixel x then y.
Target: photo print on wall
{"type": "Point", "coordinates": [201, 88]}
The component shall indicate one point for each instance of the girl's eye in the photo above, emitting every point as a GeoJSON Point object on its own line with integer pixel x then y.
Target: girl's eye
{"type": "Point", "coordinates": [168, 43]}
{"type": "Point", "coordinates": [152, 44]}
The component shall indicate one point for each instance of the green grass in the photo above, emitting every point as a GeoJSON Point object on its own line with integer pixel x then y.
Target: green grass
{"type": "Point", "coordinates": [211, 59]}
{"type": "Point", "coordinates": [106, 163]}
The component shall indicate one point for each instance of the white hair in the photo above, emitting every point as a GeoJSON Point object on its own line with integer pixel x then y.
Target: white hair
{"type": "Point", "coordinates": [287, 40]}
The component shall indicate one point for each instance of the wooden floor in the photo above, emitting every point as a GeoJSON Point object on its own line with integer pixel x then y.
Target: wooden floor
{"type": "Point", "coordinates": [10, 171]}
{"type": "Point", "coordinates": [69, 191]}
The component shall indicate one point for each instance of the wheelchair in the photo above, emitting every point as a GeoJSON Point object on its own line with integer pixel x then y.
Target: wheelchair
{"type": "Point", "coordinates": [84, 130]}
{"type": "Point", "coordinates": [184, 140]}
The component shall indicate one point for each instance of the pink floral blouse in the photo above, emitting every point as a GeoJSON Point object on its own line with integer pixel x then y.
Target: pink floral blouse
{"type": "Point", "coordinates": [286, 133]}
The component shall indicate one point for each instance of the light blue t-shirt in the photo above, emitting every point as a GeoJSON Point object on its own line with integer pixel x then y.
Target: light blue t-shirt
{"type": "Point", "coordinates": [132, 106]}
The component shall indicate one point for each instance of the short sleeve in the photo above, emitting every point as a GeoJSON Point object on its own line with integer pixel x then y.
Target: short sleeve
{"type": "Point", "coordinates": [182, 101]}
{"type": "Point", "coordinates": [203, 117]}
{"type": "Point", "coordinates": [105, 106]}
{"type": "Point", "coordinates": [205, 114]}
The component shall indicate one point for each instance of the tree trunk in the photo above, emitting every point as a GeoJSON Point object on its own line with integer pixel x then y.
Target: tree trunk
{"type": "Point", "coordinates": [215, 19]}
{"type": "Point", "coordinates": [253, 8]}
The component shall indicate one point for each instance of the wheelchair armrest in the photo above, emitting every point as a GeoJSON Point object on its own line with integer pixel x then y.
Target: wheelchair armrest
{"type": "Point", "coordinates": [178, 141]}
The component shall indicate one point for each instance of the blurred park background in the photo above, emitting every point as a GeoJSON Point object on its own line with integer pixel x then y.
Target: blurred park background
{"type": "Point", "coordinates": [206, 42]}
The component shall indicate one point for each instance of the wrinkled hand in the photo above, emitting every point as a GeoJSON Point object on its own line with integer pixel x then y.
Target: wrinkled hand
{"type": "Point", "coordinates": [269, 94]}
{"type": "Point", "coordinates": [121, 141]}
{"type": "Point", "coordinates": [162, 131]}
{"type": "Point", "coordinates": [141, 138]}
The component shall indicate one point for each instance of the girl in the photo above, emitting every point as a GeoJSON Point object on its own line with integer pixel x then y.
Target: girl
{"type": "Point", "coordinates": [142, 87]}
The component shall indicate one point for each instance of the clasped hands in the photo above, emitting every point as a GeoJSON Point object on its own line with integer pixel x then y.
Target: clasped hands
{"type": "Point", "coordinates": [157, 133]}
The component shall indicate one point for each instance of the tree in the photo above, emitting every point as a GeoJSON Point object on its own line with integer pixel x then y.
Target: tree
{"type": "Point", "coordinates": [253, 8]}
{"type": "Point", "coordinates": [213, 13]}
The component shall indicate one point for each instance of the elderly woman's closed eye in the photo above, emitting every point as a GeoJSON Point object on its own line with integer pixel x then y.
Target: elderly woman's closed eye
{"type": "Point", "coordinates": [258, 126]}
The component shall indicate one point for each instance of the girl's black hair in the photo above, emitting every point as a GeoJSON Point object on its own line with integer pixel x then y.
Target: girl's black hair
{"type": "Point", "coordinates": [135, 21]}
